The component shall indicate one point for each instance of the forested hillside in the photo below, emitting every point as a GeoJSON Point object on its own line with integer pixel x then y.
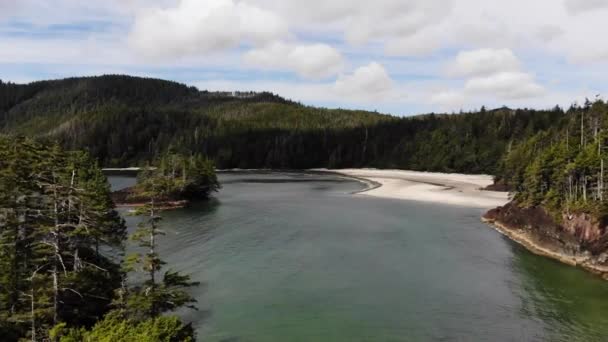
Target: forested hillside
{"type": "Point", "coordinates": [126, 121]}
{"type": "Point", "coordinates": [564, 167]}
{"type": "Point", "coordinates": [553, 160]}
{"type": "Point", "coordinates": [558, 177]}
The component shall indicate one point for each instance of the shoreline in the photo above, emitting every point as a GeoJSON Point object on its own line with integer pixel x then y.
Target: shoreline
{"type": "Point", "coordinates": [525, 239]}
{"type": "Point", "coordinates": [430, 187]}
{"type": "Point", "coordinates": [402, 185]}
{"type": "Point", "coordinates": [440, 182]}
{"type": "Point", "coordinates": [162, 206]}
{"type": "Point", "coordinates": [444, 188]}
{"type": "Point", "coordinates": [121, 199]}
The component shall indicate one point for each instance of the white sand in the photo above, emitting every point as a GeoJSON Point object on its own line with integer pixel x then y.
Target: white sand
{"type": "Point", "coordinates": [453, 189]}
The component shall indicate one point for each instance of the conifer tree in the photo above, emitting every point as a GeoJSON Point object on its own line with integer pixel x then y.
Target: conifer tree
{"type": "Point", "coordinates": [55, 213]}
{"type": "Point", "coordinates": [155, 296]}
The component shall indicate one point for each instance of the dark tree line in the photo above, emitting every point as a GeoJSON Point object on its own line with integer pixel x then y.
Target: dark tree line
{"type": "Point", "coordinates": [126, 120]}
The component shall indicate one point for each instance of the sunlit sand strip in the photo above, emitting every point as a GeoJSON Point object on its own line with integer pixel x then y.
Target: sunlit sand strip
{"type": "Point", "coordinates": [452, 189]}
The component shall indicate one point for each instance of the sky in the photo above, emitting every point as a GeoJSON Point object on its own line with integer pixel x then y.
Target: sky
{"type": "Point", "coordinates": [402, 57]}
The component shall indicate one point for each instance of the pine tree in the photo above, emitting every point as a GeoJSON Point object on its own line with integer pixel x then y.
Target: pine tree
{"type": "Point", "coordinates": [55, 212]}
{"type": "Point", "coordinates": [154, 296]}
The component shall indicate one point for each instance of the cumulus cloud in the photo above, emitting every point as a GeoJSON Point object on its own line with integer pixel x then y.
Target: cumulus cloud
{"type": "Point", "coordinates": [505, 85]}
{"type": "Point", "coordinates": [7, 8]}
{"type": "Point", "coordinates": [401, 27]}
{"type": "Point", "coordinates": [548, 33]}
{"type": "Point", "coordinates": [202, 26]}
{"type": "Point", "coordinates": [494, 73]}
{"type": "Point", "coordinates": [483, 62]}
{"type": "Point", "coordinates": [449, 99]}
{"type": "Point", "coordinates": [418, 45]}
{"type": "Point", "coordinates": [361, 21]}
{"type": "Point", "coordinates": [314, 38]}
{"type": "Point", "coordinates": [547, 24]}
{"type": "Point", "coordinates": [393, 19]}
{"type": "Point", "coordinates": [367, 82]}
{"type": "Point", "coordinates": [362, 88]}
{"type": "Point", "coordinates": [6, 5]}
{"type": "Point", "coordinates": [310, 61]}
{"type": "Point", "coordinates": [579, 6]}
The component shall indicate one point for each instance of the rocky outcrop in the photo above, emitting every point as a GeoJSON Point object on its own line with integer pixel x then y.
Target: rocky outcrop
{"type": "Point", "coordinates": [498, 186]}
{"type": "Point", "coordinates": [588, 231]}
{"type": "Point", "coordinates": [579, 239]}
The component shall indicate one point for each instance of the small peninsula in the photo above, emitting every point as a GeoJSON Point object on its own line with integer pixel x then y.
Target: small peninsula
{"type": "Point", "coordinates": [577, 239]}
{"type": "Point", "coordinates": [174, 179]}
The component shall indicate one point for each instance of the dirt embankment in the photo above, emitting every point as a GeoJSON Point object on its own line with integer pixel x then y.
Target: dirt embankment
{"type": "Point", "coordinates": [579, 239]}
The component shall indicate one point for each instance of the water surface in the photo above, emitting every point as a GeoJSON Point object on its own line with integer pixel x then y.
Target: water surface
{"type": "Point", "coordinates": [293, 257]}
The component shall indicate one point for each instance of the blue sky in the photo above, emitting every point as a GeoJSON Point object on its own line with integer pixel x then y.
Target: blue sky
{"type": "Point", "coordinates": [396, 56]}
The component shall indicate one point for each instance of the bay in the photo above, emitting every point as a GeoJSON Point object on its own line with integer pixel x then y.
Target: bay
{"type": "Point", "coordinates": [297, 257]}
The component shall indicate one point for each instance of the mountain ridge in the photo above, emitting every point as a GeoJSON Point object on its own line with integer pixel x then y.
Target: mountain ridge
{"type": "Point", "coordinates": [126, 120]}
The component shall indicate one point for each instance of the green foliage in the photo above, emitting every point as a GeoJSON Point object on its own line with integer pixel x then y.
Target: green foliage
{"type": "Point", "coordinates": [56, 216]}
{"type": "Point", "coordinates": [563, 168]}
{"type": "Point", "coordinates": [177, 177]}
{"type": "Point", "coordinates": [116, 327]}
{"type": "Point", "coordinates": [174, 177]}
{"type": "Point", "coordinates": [56, 213]}
{"type": "Point", "coordinates": [60, 238]}
{"type": "Point", "coordinates": [127, 121]}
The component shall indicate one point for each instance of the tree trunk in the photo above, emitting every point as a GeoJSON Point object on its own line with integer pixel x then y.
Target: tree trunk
{"type": "Point", "coordinates": [33, 312]}
{"type": "Point", "coordinates": [582, 129]}
{"type": "Point", "coordinates": [57, 256]}
{"type": "Point", "coordinates": [601, 180]}
{"type": "Point", "coordinates": [152, 255]}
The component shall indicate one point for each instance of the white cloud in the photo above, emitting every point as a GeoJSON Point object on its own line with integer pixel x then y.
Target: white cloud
{"type": "Point", "coordinates": [41, 13]}
{"type": "Point", "coordinates": [364, 87]}
{"type": "Point", "coordinates": [202, 26]}
{"type": "Point", "coordinates": [367, 82]}
{"type": "Point", "coordinates": [505, 85]}
{"type": "Point", "coordinates": [323, 94]}
{"type": "Point", "coordinates": [491, 74]}
{"type": "Point", "coordinates": [361, 21]}
{"type": "Point", "coordinates": [561, 40]}
{"type": "Point", "coordinates": [540, 24]}
{"type": "Point", "coordinates": [310, 61]}
{"type": "Point", "coordinates": [483, 62]}
{"type": "Point", "coordinates": [579, 6]}
{"type": "Point", "coordinates": [58, 51]}
{"type": "Point", "coordinates": [449, 99]}
{"type": "Point", "coordinates": [393, 19]}
{"type": "Point", "coordinates": [420, 44]}
{"type": "Point", "coordinates": [8, 8]}
{"type": "Point", "coordinates": [548, 33]}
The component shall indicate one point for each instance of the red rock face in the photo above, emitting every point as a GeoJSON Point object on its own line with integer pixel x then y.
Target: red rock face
{"type": "Point", "coordinates": [579, 240]}
{"type": "Point", "coordinates": [575, 235]}
{"type": "Point", "coordinates": [584, 227]}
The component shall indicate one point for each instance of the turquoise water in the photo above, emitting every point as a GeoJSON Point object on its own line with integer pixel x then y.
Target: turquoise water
{"type": "Point", "coordinates": [293, 257]}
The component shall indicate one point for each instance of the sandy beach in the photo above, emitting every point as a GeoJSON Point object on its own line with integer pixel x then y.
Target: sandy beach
{"type": "Point", "coordinates": [453, 189]}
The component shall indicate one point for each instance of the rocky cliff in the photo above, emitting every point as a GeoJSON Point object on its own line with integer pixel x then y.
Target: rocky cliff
{"type": "Point", "coordinates": [579, 239]}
